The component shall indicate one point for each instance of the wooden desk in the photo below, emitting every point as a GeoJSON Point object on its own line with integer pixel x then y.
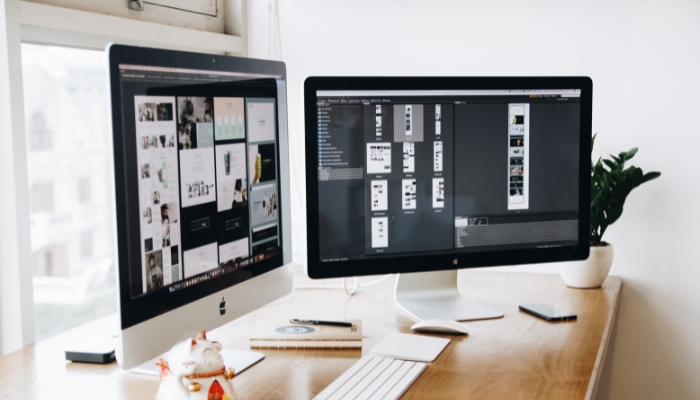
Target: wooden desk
{"type": "Point", "coordinates": [516, 357]}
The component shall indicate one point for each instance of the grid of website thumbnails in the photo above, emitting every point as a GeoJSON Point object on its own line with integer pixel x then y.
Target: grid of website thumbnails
{"type": "Point", "coordinates": [207, 187]}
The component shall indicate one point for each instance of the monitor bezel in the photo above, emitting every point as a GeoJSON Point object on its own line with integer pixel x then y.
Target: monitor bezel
{"type": "Point", "coordinates": [439, 262]}
{"type": "Point", "coordinates": [135, 311]}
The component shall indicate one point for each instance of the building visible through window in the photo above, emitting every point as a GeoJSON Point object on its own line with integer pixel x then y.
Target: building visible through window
{"type": "Point", "coordinates": [69, 172]}
{"type": "Point", "coordinates": [41, 197]}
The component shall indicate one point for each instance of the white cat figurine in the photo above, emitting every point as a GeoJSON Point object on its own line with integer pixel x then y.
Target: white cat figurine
{"type": "Point", "coordinates": [195, 370]}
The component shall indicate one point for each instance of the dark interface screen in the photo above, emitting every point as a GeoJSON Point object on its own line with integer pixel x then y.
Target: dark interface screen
{"type": "Point", "coordinates": [204, 149]}
{"type": "Point", "coordinates": [421, 171]}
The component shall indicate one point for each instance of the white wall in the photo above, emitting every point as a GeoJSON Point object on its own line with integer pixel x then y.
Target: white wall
{"type": "Point", "coordinates": [644, 59]}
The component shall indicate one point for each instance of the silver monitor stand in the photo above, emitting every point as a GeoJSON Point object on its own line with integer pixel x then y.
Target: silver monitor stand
{"type": "Point", "coordinates": [434, 295]}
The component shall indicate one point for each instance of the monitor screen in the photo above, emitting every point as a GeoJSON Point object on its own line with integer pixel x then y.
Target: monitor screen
{"type": "Point", "coordinates": [403, 173]}
{"type": "Point", "coordinates": [201, 167]}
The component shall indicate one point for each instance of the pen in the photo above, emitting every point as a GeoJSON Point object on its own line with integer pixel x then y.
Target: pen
{"type": "Point", "coordinates": [315, 322]}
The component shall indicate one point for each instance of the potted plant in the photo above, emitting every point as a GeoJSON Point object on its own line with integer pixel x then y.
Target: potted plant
{"type": "Point", "coordinates": [611, 183]}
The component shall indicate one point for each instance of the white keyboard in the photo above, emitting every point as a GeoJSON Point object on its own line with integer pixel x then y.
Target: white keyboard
{"type": "Point", "coordinates": [373, 378]}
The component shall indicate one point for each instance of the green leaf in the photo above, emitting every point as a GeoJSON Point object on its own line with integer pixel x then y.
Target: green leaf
{"type": "Point", "coordinates": [610, 164]}
{"type": "Point", "coordinates": [614, 214]}
{"type": "Point", "coordinates": [611, 183]}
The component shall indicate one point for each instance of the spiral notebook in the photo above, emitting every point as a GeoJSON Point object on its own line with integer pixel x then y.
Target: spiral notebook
{"type": "Point", "coordinates": [284, 335]}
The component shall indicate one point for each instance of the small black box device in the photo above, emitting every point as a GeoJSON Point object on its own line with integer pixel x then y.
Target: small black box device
{"type": "Point", "coordinates": [94, 352]}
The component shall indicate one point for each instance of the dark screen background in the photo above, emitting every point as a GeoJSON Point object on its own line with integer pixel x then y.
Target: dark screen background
{"type": "Point", "coordinates": [475, 142]}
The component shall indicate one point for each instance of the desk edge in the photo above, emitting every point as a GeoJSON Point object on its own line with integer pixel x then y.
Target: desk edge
{"type": "Point", "coordinates": [603, 349]}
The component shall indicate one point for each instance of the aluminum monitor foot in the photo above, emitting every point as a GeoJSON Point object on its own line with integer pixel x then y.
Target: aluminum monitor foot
{"type": "Point", "coordinates": [434, 295]}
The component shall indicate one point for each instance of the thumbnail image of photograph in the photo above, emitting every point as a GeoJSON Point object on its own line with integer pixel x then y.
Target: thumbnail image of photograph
{"type": "Point", "coordinates": [147, 112]}
{"type": "Point", "coordinates": [195, 109]}
{"type": "Point", "coordinates": [187, 136]}
{"type": "Point", "coordinates": [379, 121]}
{"type": "Point", "coordinates": [148, 244]}
{"type": "Point", "coordinates": [516, 179]}
{"type": "Point", "coordinates": [263, 200]}
{"type": "Point", "coordinates": [517, 151]}
{"type": "Point", "coordinates": [516, 161]}
{"type": "Point", "coordinates": [153, 142]}
{"type": "Point", "coordinates": [165, 214]}
{"type": "Point", "coordinates": [270, 204]}
{"type": "Point", "coordinates": [379, 110]}
{"type": "Point", "coordinates": [155, 197]}
{"type": "Point", "coordinates": [232, 188]}
{"type": "Point", "coordinates": [166, 235]}
{"type": "Point", "coordinates": [517, 142]}
{"type": "Point", "coordinates": [171, 141]}
{"type": "Point", "coordinates": [154, 270]}
{"type": "Point", "coordinates": [518, 120]}
{"type": "Point", "coordinates": [164, 111]}
{"type": "Point", "coordinates": [261, 163]}
{"type": "Point", "coordinates": [513, 192]}
{"type": "Point", "coordinates": [145, 143]}
{"type": "Point", "coordinates": [516, 170]}
{"type": "Point", "coordinates": [145, 171]}
{"type": "Point", "coordinates": [438, 112]}
{"type": "Point", "coordinates": [163, 175]}
{"type": "Point", "coordinates": [147, 216]}
{"type": "Point", "coordinates": [169, 213]}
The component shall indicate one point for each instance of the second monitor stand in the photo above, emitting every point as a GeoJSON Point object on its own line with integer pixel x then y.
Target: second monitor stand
{"type": "Point", "coordinates": [434, 295]}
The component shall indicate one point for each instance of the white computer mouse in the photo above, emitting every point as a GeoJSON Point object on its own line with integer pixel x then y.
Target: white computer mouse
{"type": "Point", "coordinates": [441, 326]}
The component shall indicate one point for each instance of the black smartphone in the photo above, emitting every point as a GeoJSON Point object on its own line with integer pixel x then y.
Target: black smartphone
{"type": "Point", "coordinates": [547, 312]}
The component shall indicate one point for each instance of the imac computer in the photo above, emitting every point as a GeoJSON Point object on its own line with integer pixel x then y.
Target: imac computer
{"type": "Point", "coordinates": [202, 193]}
{"type": "Point", "coordinates": [424, 176]}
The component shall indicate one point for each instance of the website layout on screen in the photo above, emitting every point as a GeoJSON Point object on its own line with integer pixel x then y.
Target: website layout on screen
{"type": "Point", "coordinates": [207, 173]}
{"type": "Point", "coordinates": [406, 172]}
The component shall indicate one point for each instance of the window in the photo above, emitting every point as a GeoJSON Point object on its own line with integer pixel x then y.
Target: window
{"type": "Point", "coordinates": [37, 133]}
{"type": "Point", "coordinates": [84, 193]}
{"type": "Point", "coordinates": [68, 159]}
{"type": "Point", "coordinates": [41, 194]}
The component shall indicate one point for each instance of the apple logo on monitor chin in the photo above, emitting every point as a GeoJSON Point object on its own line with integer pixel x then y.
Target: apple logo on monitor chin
{"type": "Point", "coordinates": [222, 306]}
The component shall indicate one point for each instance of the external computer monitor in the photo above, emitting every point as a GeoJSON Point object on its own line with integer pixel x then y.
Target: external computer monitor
{"type": "Point", "coordinates": [409, 175]}
{"type": "Point", "coordinates": [202, 192]}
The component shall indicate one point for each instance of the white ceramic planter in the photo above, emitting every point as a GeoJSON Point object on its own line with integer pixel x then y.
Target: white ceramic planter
{"type": "Point", "coordinates": [588, 273]}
